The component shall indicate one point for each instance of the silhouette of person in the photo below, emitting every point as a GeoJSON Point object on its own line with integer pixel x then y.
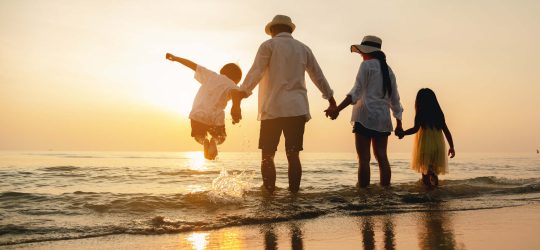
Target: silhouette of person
{"type": "Point", "coordinates": [279, 70]}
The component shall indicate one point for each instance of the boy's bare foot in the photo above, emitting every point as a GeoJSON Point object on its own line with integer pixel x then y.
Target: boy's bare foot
{"type": "Point", "coordinates": [212, 150]}
{"type": "Point", "coordinates": [206, 145]}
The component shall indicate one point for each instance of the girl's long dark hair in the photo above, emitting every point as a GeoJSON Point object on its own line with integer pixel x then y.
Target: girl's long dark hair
{"type": "Point", "coordinates": [428, 111]}
{"type": "Point", "coordinates": [387, 84]}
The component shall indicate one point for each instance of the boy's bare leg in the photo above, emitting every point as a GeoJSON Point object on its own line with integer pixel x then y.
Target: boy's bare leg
{"type": "Point", "coordinates": [268, 170]}
{"type": "Point", "coordinates": [212, 149]}
{"type": "Point", "coordinates": [295, 170]}
{"type": "Point", "coordinates": [364, 156]}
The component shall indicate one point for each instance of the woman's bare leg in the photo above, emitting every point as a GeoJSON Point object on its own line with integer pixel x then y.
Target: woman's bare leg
{"type": "Point", "coordinates": [379, 149]}
{"type": "Point", "coordinates": [364, 156]}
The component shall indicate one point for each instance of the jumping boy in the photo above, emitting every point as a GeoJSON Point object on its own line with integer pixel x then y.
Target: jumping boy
{"type": "Point", "coordinates": [207, 115]}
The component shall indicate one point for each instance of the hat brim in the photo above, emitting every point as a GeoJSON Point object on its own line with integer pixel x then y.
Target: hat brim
{"type": "Point", "coordinates": [359, 48]}
{"type": "Point", "coordinates": [270, 24]}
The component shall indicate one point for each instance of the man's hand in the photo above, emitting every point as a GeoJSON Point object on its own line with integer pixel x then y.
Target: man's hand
{"type": "Point", "coordinates": [451, 152]}
{"type": "Point", "coordinates": [170, 56]}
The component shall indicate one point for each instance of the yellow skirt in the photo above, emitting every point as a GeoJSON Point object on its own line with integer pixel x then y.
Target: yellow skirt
{"type": "Point", "coordinates": [429, 152]}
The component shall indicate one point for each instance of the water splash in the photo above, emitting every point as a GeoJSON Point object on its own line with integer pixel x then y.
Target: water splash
{"type": "Point", "coordinates": [230, 188]}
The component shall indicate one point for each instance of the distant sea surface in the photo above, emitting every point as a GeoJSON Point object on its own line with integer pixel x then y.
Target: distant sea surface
{"type": "Point", "coordinates": [69, 195]}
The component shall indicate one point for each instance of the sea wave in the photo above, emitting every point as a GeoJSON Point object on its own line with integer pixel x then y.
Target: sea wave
{"type": "Point", "coordinates": [173, 213]}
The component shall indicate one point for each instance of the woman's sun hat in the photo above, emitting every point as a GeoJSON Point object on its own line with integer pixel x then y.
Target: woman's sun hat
{"type": "Point", "coordinates": [369, 44]}
{"type": "Point", "coordinates": [279, 19]}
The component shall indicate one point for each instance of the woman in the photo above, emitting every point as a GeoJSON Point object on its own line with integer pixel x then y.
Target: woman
{"type": "Point", "coordinates": [373, 95]}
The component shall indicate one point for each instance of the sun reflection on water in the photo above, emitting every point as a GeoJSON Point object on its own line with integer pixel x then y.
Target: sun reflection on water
{"type": "Point", "coordinates": [198, 240]}
{"type": "Point", "coordinates": [196, 161]}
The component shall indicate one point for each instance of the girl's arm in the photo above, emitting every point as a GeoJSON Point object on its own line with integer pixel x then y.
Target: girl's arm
{"type": "Point", "coordinates": [412, 130]}
{"type": "Point", "coordinates": [181, 60]}
{"type": "Point", "coordinates": [448, 136]}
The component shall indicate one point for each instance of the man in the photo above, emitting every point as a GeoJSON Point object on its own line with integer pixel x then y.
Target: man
{"type": "Point", "coordinates": [279, 69]}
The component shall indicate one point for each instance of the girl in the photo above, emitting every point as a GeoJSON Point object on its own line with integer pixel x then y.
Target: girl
{"type": "Point", "coordinates": [429, 150]}
{"type": "Point", "coordinates": [374, 94]}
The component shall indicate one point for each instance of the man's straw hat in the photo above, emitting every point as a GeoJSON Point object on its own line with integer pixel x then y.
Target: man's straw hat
{"type": "Point", "coordinates": [279, 19]}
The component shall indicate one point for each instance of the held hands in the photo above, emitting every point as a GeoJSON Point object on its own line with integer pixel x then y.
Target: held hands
{"type": "Point", "coordinates": [332, 111]}
{"type": "Point", "coordinates": [451, 152]}
{"type": "Point", "coordinates": [236, 114]}
{"type": "Point", "coordinates": [236, 111]}
{"type": "Point", "coordinates": [399, 132]}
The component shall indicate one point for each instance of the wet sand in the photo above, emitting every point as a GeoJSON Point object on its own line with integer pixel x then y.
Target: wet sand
{"type": "Point", "coordinates": [502, 228]}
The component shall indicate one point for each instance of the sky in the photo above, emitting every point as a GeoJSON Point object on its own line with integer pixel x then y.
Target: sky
{"type": "Point", "coordinates": [92, 75]}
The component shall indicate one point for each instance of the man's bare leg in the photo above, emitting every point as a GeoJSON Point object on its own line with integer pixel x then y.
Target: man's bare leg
{"type": "Point", "coordinates": [295, 170]}
{"type": "Point", "coordinates": [268, 170]}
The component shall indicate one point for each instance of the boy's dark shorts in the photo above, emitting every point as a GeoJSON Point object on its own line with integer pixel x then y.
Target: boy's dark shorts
{"type": "Point", "coordinates": [199, 129]}
{"type": "Point", "coordinates": [360, 129]}
{"type": "Point", "coordinates": [293, 130]}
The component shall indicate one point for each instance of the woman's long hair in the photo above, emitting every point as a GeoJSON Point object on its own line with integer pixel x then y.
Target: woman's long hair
{"type": "Point", "coordinates": [387, 83]}
{"type": "Point", "coordinates": [428, 111]}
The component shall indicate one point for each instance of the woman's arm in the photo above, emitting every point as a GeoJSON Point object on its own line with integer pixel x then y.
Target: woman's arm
{"type": "Point", "coordinates": [181, 60]}
{"type": "Point", "coordinates": [448, 135]}
{"type": "Point", "coordinates": [333, 113]}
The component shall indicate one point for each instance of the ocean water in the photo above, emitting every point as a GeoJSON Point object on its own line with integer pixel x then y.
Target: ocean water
{"type": "Point", "coordinates": [68, 195]}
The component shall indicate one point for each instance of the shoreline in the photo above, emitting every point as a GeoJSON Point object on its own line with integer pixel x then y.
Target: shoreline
{"type": "Point", "coordinates": [498, 228]}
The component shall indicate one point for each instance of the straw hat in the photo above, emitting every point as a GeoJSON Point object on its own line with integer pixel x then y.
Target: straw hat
{"type": "Point", "coordinates": [369, 44]}
{"type": "Point", "coordinates": [279, 19]}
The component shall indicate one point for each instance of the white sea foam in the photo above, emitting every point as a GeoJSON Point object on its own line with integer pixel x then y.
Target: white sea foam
{"type": "Point", "coordinates": [230, 188]}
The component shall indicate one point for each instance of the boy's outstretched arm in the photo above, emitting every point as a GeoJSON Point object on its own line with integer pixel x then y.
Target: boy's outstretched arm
{"type": "Point", "coordinates": [181, 60]}
{"type": "Point", "coordinates": [448, 136]}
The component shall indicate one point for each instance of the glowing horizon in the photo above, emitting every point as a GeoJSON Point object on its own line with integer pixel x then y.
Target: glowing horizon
{"type": "Point", "coordinates": [92, 75]}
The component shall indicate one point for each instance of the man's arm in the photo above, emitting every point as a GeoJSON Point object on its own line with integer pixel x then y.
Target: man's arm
{"type": "Point", "coordinates": [181, 60]}
{"type": "Point", "coordinates": [253, 78]}
{"type": "Point", "coordinates": [256, 71]}
{"type": "Point", "coordinates": [317, 77]}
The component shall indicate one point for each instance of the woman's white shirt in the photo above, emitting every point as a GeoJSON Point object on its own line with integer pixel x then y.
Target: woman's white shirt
{"type": "Point", "coordinates": [371, 109]}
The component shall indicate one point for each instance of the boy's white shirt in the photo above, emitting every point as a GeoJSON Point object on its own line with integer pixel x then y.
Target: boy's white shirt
{"type": "Point", "coordinates": [211, 99]}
